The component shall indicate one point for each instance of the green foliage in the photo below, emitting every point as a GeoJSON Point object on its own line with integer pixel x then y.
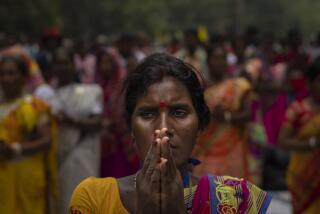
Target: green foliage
{"type": "Point", "coordinates": [85, 18]}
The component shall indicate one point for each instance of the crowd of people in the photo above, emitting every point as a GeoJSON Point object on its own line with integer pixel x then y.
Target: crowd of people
{"type": "Point", "coordinates": [71, 109]}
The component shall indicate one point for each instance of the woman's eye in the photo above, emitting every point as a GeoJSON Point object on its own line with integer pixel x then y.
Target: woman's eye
{"type": "Point", "coordinates": [179, 113]}
{"type": "Point", "coordinates": [147, 114]}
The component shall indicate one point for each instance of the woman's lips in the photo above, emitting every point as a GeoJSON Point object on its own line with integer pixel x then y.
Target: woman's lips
{"type": "Point", "coordinates": [173, 146]}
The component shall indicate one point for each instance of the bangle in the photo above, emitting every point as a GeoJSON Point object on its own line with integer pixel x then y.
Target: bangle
{"type": "Point", "coordinates": [17, 149]}
{"type": "Point", "coordinates": [227, 116]}
{"type": "Point", "coordinates": [313, 142]}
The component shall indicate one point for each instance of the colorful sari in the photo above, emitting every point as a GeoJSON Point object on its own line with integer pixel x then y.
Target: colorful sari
{"type": "Point", "coordinates": [212, 195]}
{"type": "Point", "coordinates": [222, 147]}
{"type": "Point", "coordinates": [303, 175]}
{"type": "Point", "coordinates": [116, 144]}
{"type": "Point", "coordinates": [228, 195]}
{"type": "Point", "coordinates": [267, 118]}
{"type": "Point", "coordinates": [28, 185]}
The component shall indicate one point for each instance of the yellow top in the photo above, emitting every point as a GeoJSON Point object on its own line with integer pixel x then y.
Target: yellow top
{"type": "Point", "coordinates": [101, 196]}
{"type": "Point", "coordinates": [98, 196]}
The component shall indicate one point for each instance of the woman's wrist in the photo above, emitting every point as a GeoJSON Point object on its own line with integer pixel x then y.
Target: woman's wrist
{"type": "Point", "coordinates": [313, 142]}
{"type": "Point", "coordinates": [16, 149]}
{"type": "Point", "coordinates": [227, 116]}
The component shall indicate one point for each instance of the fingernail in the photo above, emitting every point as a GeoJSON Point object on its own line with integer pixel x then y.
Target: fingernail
{"type": "Point", "coordinates": [166, 139]}
{"type": "Point", "coordinates": [164, 160]}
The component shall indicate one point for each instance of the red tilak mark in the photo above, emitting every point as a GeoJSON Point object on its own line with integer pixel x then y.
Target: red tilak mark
{"type": "Point", "coordinates": [162, 104]}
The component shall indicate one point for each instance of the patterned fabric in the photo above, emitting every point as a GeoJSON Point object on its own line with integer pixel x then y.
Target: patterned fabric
{"type": "Point", "coordinates": [222, 147]}
{"type": "Point", "coordinates": [228, 195]}
{"type": "Point", "coordinates": [303, 175]}
{"type": "Point", "coordinates": [27, 183]}
{"type": "Point", "coordinates": [212, 195]}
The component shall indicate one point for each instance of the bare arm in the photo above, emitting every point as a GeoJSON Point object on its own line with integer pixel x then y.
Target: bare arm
{"type": "Point", "coordinates": [40, 142]}
{"type": "Point", "coordinates": [241, 116]}
{"type": "Point", "coordinates": [93, 123]}
{"type": "Point", "coordinates": [288, 140]}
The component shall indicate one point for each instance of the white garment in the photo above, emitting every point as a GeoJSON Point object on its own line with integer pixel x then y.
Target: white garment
{"type": "Point", "coordinates": [47, 94]}
{"type": "Point", "coordinates": [78, 151]}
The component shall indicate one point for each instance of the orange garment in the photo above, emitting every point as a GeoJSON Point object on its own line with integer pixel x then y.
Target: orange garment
{"type": "Point", "coordinates": [102, 196]}
{"type": "Point", "coordinates": [26, 182]}
{"type": "Point", "coordinates": [222, 147]}
{"type": "Point", "coordinates": [221, 193]}
{"type": "Point", "coordinates": [98, 196]}
{"type": "Point", "coordinates": [303, 175]}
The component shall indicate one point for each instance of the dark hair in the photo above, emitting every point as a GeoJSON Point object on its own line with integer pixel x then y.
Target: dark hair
{"type": "Point", "coordinates": [313, 71]}
{"type": "Point", "coordinates": [20, 62]}
{"type": "Point", "coordinates": [153, 69]}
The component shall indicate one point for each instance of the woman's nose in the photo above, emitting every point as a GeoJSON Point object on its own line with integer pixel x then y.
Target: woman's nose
{"type": "Point", "coordinates": [163, 120]}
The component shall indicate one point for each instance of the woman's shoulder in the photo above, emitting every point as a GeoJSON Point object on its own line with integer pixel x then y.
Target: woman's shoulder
{"type": "Point", "coordinates": [93, 195]}
{"type": "Point", "coordinates": [97, 184]}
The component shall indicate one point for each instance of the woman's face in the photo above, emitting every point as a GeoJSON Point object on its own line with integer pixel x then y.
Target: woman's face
{"type": "Point", "coordinates": [166, 104]}
{"type": "Point", "coordinates": [217, 63]}
{"type": "Point", "coordinates": [11, 79]}
{"type": "Point", "coordinates": [64, 70]}
{"type": "Point", "coordinates": [105, 66]}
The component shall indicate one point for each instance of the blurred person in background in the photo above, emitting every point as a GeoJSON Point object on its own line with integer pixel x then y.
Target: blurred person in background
{"type": "Point", "coordinates": [116, 148]}
{"type": "Point", "coordinates": [27, 145]}
{"type": "Point", "coordinates": [297, 59]}
{"type": "Point", "coordinates": [85, 62]}
{"type": "Point", "coordinates": [192, 52]}
{"type": "Point", "coordinates": [222, 147]}
{"type": "Point", "coordinates": [35, 78]}
{"type": "Point", "coordinates": [50, 41]}
{"type": "Point", "coordinates": [300, 134]}
{"type": "Point", "coordinates": [268, 104]}
{"type": "Point", "coordinates": [78, 109]}
{"type": "Point", "coordinates": [126, 45]}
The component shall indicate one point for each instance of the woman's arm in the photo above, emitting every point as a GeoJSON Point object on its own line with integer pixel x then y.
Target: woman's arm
{"type": "Point", "coordinates": [39, 140]}
{"type": "Point", "coordinates": [93, 123]}
{"type": "Point", "coordinates": [243, 114]}
{"type": "Point", "coordinates": [40, 143]}
{"type": "Point", "coordinates": [288, 140]}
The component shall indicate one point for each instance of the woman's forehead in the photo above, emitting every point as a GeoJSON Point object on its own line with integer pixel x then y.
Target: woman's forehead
{"type": "Point", "coordinates": [9, 65]}
{"type": "Point", "coordinates": [169, 90]}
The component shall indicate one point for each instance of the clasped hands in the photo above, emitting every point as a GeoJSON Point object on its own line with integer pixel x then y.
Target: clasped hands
{"type": "Point", "coordinates": [159, 187]}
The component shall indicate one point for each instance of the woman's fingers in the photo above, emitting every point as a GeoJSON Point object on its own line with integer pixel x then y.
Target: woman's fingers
{"type": "Point", "coordinates": [148, 157]}
{"type": "Point", "coordinates": [163, 132]}
{"type": "Point", "coordinates": [167, 154]}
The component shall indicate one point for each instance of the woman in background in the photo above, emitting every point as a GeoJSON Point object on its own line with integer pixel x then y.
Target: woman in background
{"type": "Point", "coordinates": [222, 147]}
{"type": "Point", "coordinates": [300, 134]}
{"type": "Point", "coordinates": [116, 145]}
{"type": "Point", "coordinates": [78, 109]}
{"type": "Point", "coordinates": [27, 145]}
